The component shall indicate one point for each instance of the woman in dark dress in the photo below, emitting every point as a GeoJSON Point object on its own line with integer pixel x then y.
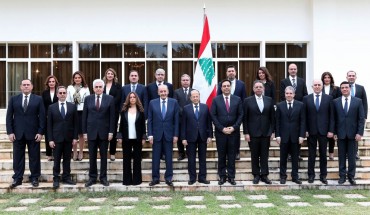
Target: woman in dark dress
{"type": "Point", "coordinates": [132, 135]}
{"type": "Point", "coordinates": [49, 96]}
{"type": "Point", "coordinates": [113, 88]}
{"type": "Point", "coordinates": [264, 75]}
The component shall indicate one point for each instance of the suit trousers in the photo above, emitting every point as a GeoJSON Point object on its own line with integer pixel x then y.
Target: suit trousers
{"type": "Point", "coordinates": [259, 147]}
{"type": "Point", "coordinates": [180, 146]}
{"type": "Point", "coordinates": [49, 150]}
{"type": "Point", "coordinates": [94, 145]}
{"type": "Point", "coordinates": [312, 146]}
{"type": "Point", "coordinates": [62, 149]}
{"type": "Point", "coordinates": [331, 145]}
{"type": "Point", "coordinates": [191, 149]}
{"type": "Point", "coordinates": [113, 142]}
{"type": "Point", "coordinates": [132, 150]}
{"type": "Point", "coordinates": [226, 148]}
{"type": "Point", "coordinates": [347, 147]}
{"type": "Point", "coordinates": [158, 147]}
{"type": "Point", "coordinates": [293, 148]}
{"type": "Point", "coordinates": [19, 153]}
{"type": "Point", "coordinates": [237, 142]}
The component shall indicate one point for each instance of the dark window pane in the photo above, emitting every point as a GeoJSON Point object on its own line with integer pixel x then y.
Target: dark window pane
{"type": "Point", "coordinates": [197, 47]}
{"type": "Point", "coordinates": [62, 50]}
{"type": "Point", "coordinates": [151, 67]}
{"type": "Point", "coordinates": [134, 50]}
{"type": "Point", "coordinates": [139, 67]}
{"type": "Point", "coordinates": [249, 50]}
{"type": "Point", "coordinates": [89, 50]}
{"type": "Point", "coordinates": [18, 50]}
{"type": "Point", "coordinates": [2, 84]}
{"type": "Point", "coordinates": [91, 71]}
{"type": "Point", "coordinates": [2, 51]}
{"type": "Point", "coordinates": [182, 50]}
{"type": "Point", "coordinates": [63, 71]}
{"type": "Point", "coordinates": [17, 71]}
{"type": "Point", "coordinates": [117, 66]}
{"type": "Point", "coordinates": [277, 71]}
{"type": "Point", "coordinates": [178, 69]}
{"type": "Point", "coordinates": [297, 50]}
{"type": "Point", "coordinates": [227, 50]}
{"type": "Point", "coordinates": [275, 50]}
{"type": "Point", "coordinates": [40, 50]}
{"type": "Point", "coordinates": [111, 50]}
{"type": "Point", "coordinates": [247, 73]}
{"type": "Point", "coordinates": [39, 71]}
{"type": "Point", "coordinates": [156, 50]}
{"type": "Point", "coordinates": [301, 67]}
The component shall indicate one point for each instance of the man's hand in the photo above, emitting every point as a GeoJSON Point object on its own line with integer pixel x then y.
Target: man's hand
{"type": "Point", "coordinates": [52, 144]}
{"type": "Point", "coordinates": [142, 141]}
{"type": "Point", "coordinates": [110, 136]}
{"type": "Point", "coordinates": [175, 140]}
{"type": "Point", "coordinates": [330, 135]}
{"type": "Point", "coordinates": [209, 140]}
{"type": "Point", "coordinates": [74, 142]}
{"type": "Point", "coordinates": [247, 137]}
{"type": "Point", "coordinates": [119, 141]}
{"type": "Point", "coordinates": [151, 140]}
{"type": "Point", "coordinates": [307, 134]}
{"type": "Point", "coordinates": [278, 140]}
{"type": "Point", "coordinates": [185, 142]}
{"type": "Point", "coordinates": [335, 137]}
{"type": "Point", "coordinates": [301, 139]}
{"type": "Point", "coordinates": [38, 137]}
{"type": "Point", "coordinates": [11, 137]}
{"type": "Point", "coordinates": [85, 137]}
{"type": "Point", "coordinates": [358, 137]}
{"type": "Point", "coordinates": [272, 136]}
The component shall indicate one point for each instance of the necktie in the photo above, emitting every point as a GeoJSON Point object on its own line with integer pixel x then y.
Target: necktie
{"type": "Point", "coordinates": [317, 102]}
{"type": "Point", "coordinates": [97, 103]}
{"type": "Point", "coordinates": [294, 85]}
{"type": "Point", "coordinates": [163, 109]}
{"type": "Point", "coordinates": [196, 112]}
{"type": "Point", "coordinates": [290, 108]}
{"type": "Point", "coordinates": [186, 94]}
{"type": "Point", "coordinates": [260, 104]}
{"type": "Point", "coordinates": [25, 104]}
{"type": "Point", "coordinates": [227, 104]}
{"type": "Point", "coordinates": [133, 88]}
{"type": "Point", "coordinates": [62, 110]}
{"type": "Point", "coordinates": [346, 106]}
{"type": "Point", "coordinates": [352, 90]}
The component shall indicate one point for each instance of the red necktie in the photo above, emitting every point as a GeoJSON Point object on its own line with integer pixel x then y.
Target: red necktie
{"type": "Point", "coordinates": [97, 103]}
{"type": "Point", "coordinates": [227, 104]}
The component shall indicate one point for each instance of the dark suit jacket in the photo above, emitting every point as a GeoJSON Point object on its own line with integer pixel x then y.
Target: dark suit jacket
{"type": "Point", "coordinates": [59, 129]}
{"type": "Point", "coordinates": [300, 92]}
{"type": "Point", "coordinates": [179, 95]}
{"type": "Point", "coordinates": [191, 127]}
{"type": "Point", "coordinates": [352, 123]}
{"type": "Point", "coordinates": [240, 89]}
{"type": "Point", "coordinates": [47, 99]}
{"type": "Point", "coordinates": [290, 127]}
{"type": "Point", "coordinates": [322, 121]}
{"type": "Point", "coordinates": [141, 91]}
{"type": "Point", "coordinates": [334, 92]}
{"type": "Point", "coordinates": [255, 123]}
{"type": "Point", "coordinates": [139, 126]}
{"type": "Point", "coordinates": [167, 127]}
{"type": "Point", "coordinates": [100, 121]}
{"type": "Point", "coordinates": [221, 118]}
{"type": "Point", "coordinates": [116, 92]}
{"type": "Point", "coordinates": [269, 90]}
{"type": "Point", "coordinates": [152, 90]}
{"type": "Point", "coordinates": [361, 94]}
{"type": "Point", "coordinates": [27, 123]}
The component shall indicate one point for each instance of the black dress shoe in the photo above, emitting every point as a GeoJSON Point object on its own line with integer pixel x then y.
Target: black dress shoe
{"type": "Point", "coordinates": [297, 181]}
{"type": "Point", "coordinates": [282, 180]}
{"type": "Point", "coordinates": [323, 180]}
{"type": "Point", "coordinates": [104, 182]}
{"type": "Point", "coordinates": [341, 180]}
{"type": "Point", "coordinates": [89, 183]}
{"type": "Point", "coordinates": [311, 180]}
{"type": "Point", "coordinates": [352, 181]}
{"type": "Point", "coordinates": [152, 183]}
{"type": "Point", "coordinates": [15, 184]}
{"type": "Point", "coordinates": [266, 180]}
{"type": "Point", "coordinates": [232, 181]}
{"type": "Point", "coordinates": [169, 183]}
{"type": "Point", "coordinates": [204, 182]}
{"type": "Point", "coordinates": [35, 183]}
{"type": "Point", "coordinates": [237, 156]}
{"type": "Point", "coordinates": [56, 184]}
{"type": "Point", "coordinates": [191, 182]}
{"type": "Point", "coordinates": [256, 179]}
{"type": "Point", "coordinates": [221, 181]}
{"type": "Point", "coordinates": [69, 181]}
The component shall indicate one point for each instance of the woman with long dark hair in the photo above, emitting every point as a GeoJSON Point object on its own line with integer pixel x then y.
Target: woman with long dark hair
{"type": "Point", "coordinates": [132, 130]}
{"type": "Point", "coordinates": [263, 75]}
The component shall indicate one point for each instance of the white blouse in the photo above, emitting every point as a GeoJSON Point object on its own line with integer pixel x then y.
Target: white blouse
{"type": "Point", "coordinates": [84, 91]}
{"type": "Point", "coordinates": [131, 126]}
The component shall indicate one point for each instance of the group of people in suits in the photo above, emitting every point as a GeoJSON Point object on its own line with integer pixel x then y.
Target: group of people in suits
{"type": "Point", "coordinates": [178, 117]}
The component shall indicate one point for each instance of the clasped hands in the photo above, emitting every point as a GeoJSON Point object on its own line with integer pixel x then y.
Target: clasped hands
{"type": "Point", "coordinates": [228, 130]}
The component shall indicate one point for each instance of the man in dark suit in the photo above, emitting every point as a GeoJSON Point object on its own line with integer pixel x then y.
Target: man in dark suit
{"type": "Point", "coordinates": [297, 83]}
{"type": "Point", "coordinates": [349, 127]}
{"type": "Point", "coordinates": [63, 132]}
{"type": "Point", "coordinates": [237, 89]}
{"type": "Point", "coordinates": [227, 115]}
{"type": "Point", "coordinates": [290, 132]}
{"type": "Point", "coordinates": [163, 131]}
{"type": "Point", "coordinates": [98, 127]}
{"type": "Point", "coordinates": [197, 132]}
{"type": "Point", "coordinates": [320, 127]}
{"type": "Point", "coordinates": [182, 95]}
{"type": "Point", "coordinates": [258, 126]}
{"type": "Point", "coordinates": [139, 89]}
{"type": "Point", "coordinates": [25, 125]}
{"type": "Point", "coordinates": [152, 88]}
{"type": "Point", "coordinates": [359, 92]}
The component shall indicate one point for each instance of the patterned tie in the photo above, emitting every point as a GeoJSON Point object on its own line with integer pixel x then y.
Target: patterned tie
{"type": "Point", "coordinates": [186, 94]}
{"type": "Point", "coordinates": [352, 90]}
{"type": "Point", "coordinates": [346, 106]}
{"type": "Point", "coordinates": [163, 109]}
{"type": "Point", "coordinates": [294, 85]}
{"type": "Point", "coordinates": [133, 88]}
{"type": "Point", "coordinates": [196, 112]}
{"type": "Point", "coordinates": [25, 104]}
{"type": "Point", "coordinates": [227, 104]}
{"type": "Point", "coordinates": [317, 102]}
{"type": "Point", "coordinates": [62, 111]}
{"type": "Point", "coordinates": [97, 103]}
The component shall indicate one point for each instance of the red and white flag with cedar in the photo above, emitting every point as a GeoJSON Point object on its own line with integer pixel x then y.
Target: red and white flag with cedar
{"type": "Point", "coordinates": [205, 77]}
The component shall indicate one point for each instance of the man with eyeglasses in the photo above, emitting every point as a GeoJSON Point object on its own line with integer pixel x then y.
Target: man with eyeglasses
{"type": "Point", "coordinates": [98, 127]}
{"type": "Point", "coordinates": [25, 126]}
{"type": "Point", "coordinates": [63, 133]}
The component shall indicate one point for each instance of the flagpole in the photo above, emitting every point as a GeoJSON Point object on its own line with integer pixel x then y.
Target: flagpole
{"type": "Point", "coordinates": [204, 13]}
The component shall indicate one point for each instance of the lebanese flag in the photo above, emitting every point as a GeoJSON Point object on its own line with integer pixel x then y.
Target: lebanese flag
{"type": "Point", "coordinates": [204, 76]}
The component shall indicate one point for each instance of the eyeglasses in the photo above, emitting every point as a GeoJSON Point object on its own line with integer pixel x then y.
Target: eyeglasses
{"type": "Point", "coordinates": [62, 93]}
{"type": "Point", "coordinates": [98, 86]}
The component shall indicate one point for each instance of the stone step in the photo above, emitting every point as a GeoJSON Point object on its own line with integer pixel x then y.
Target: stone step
{"type": "Point", "coordinates": [182, 175]}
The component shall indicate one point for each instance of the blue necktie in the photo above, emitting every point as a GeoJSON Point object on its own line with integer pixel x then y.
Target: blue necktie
{"type": "Point", "coordinates": [62, 111]}
{"type": "Point", "coordinates": [346, 106]}
{"type": "Point", "coordinates": [352, 90]}
{"type": "Point", "coordinates": [163, 108]}
{"type": "Point", "coordinates": [317, 102]}
{"type": "Point", "coordinates": [133, 88]}
{"type": "Point", "coordinates": [196, 112]}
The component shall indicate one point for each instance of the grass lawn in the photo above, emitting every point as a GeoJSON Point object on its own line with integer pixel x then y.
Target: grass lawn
{"type": "Point", "coordinates": [177, 204]}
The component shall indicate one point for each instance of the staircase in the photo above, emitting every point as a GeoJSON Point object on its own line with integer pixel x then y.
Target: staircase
{"type": "Point", "coordinates": [243, 170]}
